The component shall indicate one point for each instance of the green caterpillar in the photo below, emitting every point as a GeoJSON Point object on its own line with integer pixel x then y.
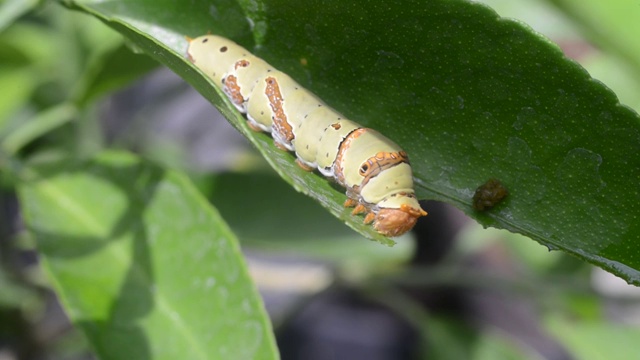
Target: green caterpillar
{"type": "Point", "coordinates": [374, 170]}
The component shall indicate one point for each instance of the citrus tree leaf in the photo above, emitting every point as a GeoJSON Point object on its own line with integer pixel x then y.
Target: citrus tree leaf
{"type": "Point", "coordinates": [142, 263]}
{"type": "Point", "coordinates": [10, 10]}
{"type": "Point", "coordinates": [469, 95]}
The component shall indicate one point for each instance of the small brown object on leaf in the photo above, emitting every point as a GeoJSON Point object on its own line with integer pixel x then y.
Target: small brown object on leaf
{"type": "Point", "coordinates": [489, 195]}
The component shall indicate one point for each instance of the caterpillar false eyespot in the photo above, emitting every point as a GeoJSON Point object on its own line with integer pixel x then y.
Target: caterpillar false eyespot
{"type": "Point", "coordinates": [489, 195]}
{"type": "Point", "coordinates": [374, 170]}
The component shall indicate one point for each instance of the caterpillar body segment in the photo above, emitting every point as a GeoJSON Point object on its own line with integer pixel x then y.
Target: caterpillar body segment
{"type": "Point", "coordinates": [374, 170]}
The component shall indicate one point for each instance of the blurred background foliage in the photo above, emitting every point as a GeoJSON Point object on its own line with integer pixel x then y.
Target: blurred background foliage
{"type": "Point", "coordinates": [466, 292]}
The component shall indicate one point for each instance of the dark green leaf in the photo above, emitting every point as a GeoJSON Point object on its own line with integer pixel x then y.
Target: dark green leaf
{"type": "Point", "coordinates": [469, 95]}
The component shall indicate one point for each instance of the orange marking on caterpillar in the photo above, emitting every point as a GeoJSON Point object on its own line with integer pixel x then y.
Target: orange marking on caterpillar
{"type": "Point", "coordinates": [253, 126]}
{"type": "Point", "coordinates": [359, 209]}
{"type": "Point", "coordinates": [350, 203]}
{"type": "Point", "coordinates": [232, 89]}
{"type": "Point", "coordinates": [241, 63]}
{"type": "Point", "coordinates": [304, 166]}
{"type": "Point", "coordinates": [395, 222]}
{"type": "Point", "coordinates": [413, 211]}
{"type": "Point", "coordinates": [369, 218]}
{"type": "Point", "coordinates": [379, 163]}
{"type": "Point", "coordinates": [280, 146]}
{"type": "Point", "coordinates": [281, 125]}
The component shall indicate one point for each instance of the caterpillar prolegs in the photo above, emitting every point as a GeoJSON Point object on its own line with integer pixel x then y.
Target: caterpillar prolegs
{"type": "Point", "coordinates": [373, 169]}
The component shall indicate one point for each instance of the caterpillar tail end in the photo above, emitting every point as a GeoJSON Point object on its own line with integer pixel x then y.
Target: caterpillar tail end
{"type": "Point", "coordinates": [394, 222]}
{"type": "Point", "coordinates": [189, 57]}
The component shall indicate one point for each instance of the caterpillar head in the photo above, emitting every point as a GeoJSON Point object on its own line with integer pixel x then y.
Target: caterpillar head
{"type": "Point", "coordinates": [397, 221]}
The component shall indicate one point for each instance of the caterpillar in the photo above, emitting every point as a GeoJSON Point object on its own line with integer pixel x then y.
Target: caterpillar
{"type": "Point", "coordinates": [374, 170]}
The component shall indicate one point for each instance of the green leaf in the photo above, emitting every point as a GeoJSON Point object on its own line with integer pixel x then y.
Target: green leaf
{"type": "Point", "coordinates": [113, 70]}
{"type": "Point", "coordinates": [612, 24]}
{"type": "Point", "coordinates": [259, 224]}
{"type": "Point", "coordinates": [22, 82]}
{"type": "Point", "coordinates": [40, 124]}
{"type": "Point", "coordinates": [142, 263]}
{"type": "Point", "coordinates": [469, 95]}
{"type": "Point", "coordinates": [10, 10]}
{"type": "Point", "coordinates": [596, 340]}
{"type": "Point", "coordinates": [15, 294]}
